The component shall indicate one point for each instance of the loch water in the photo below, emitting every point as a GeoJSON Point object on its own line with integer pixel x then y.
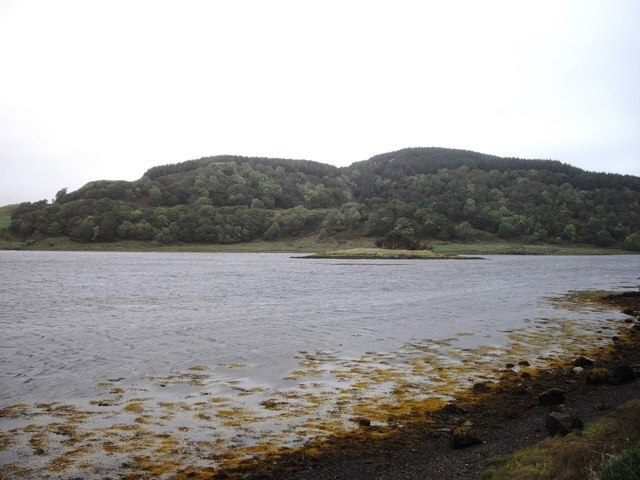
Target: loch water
{"type": "Point", "coordinates": [70, 320]}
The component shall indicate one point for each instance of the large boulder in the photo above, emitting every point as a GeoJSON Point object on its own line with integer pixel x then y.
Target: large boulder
{"type": "Point", "coordinates": [583, 362]}
{"type": "Point", "coordinates": [522, 389]}
{"type": "Point", "coordinates": [552, 396]}
{"type": "Point", "coordinates": [597, 376]}
{"type": "Point", "coordinates": [463, 436]}
{"type": "Point", "coordinates": [562, 421]}
{"type": "Point", "coordinates": [483, 387]}
{"type": "Point", "coordinates": [453, 409]}
{"type": "Point", "coordinates": [577, 371]}
{"type": "Point", "coordinates": [622, 374]}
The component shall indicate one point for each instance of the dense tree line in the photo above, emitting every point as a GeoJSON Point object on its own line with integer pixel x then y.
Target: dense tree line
{"type": "Point", "coordinates": [414, 161]}
{"type": "Point", "coordinates": [419, 193]}
{"type": "Point", "coordinates": [306, 167]}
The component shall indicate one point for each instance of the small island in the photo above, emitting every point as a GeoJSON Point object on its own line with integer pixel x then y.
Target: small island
{"type": "Point", "coordinates": [386, 254]}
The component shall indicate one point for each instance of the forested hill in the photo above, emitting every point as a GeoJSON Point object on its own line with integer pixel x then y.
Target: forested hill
{"type": "Point", "coordinates": [413, 161]}
{"type": "Point", "coordinates": [423, 193]}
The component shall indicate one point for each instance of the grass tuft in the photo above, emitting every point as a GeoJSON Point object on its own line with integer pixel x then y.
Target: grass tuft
{"type": "Point", "coordinates": [577, 456]}
{"type": "Point", "coordinates": [624, 466]}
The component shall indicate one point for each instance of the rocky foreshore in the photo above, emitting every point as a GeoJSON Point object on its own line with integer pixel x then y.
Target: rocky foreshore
{"type": "Point", "coordinates": [491, 418]}
{"type": "Point", "coordinates": [518, 398]}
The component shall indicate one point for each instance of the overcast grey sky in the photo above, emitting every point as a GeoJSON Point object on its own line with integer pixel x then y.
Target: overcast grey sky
{"type": "Point", "coordinates": [106, 89]}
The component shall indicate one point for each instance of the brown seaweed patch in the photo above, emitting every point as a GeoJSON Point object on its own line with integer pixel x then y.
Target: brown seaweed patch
{"type": "Point", "coordinates": [16, 470]}
{"type": "Point", "coordinates": [271, 404]}
{"type": "Point", "coordinates": [64, 430]}
{"type": "Point", "coordinates": [14, 411]}
{"type": "Point", "coordinates": [171, 406]}
{"type": "Point", "coordinates": [198, 368]}
{"type": "Point", "coordinates": [150, 466]}
{"type": "Point", "coordinates": [238, 366]}
{"type": "Point", "coordinates": [6, 440]}
{"type": "Point", "coordinates": [246, 392]}
{"type": "Point", "coordinates": [111, 447]}
{"type": "Point", "coordinates": [62, 462]}
{"type": "Point", "coordinates": [38, 442]}
{"type": "Point", "coordinates": [70, 413]}
{"type": "Point", "coordinates": [218, 400]}
{"type": "Point", "coordinates": [237, 417]}
{"type": "Point", "coordinates": [194, 379]}
{"type": "Point", "coordinates": [145, 420]}
{"type": "Point", "coordinates": [133, 407]}
{"type": "Point", "coordinates": [583, 300]}
{"type": "Point", "coordinates": [103, 403]}
{"type": "Point", "coordinates": [295, 375]}
{"type": "Point", "coordinates": [124, 428]}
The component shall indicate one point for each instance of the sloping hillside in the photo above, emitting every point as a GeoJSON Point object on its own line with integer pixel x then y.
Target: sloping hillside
{"type": "Point", "coordinates": [423, 193]}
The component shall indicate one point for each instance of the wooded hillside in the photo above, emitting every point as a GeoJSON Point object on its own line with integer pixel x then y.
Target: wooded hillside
{"type": "Point", "coordinates": [423, 193]}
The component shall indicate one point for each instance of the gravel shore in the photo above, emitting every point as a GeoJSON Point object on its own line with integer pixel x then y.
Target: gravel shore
{"type": "Point", "coordinates": [434, 459]}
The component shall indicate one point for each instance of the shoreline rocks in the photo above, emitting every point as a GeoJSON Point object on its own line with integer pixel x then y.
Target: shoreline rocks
{"type": "Point", "coordinates": [583, 362]}
{"type": "Point", "coordinates": [622, 374]}
{"type": "Point", "coordinates": [463, 436]}
{"type": "Point", "coordinates": [551, 396]}
{"type": "Point", "coordinates": [562, 421]}
{"type": "Point", "coordinates": [597, 376]}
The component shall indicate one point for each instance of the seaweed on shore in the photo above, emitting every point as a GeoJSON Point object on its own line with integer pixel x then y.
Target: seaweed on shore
{"type": "Point", "coordinates": [343, 407]}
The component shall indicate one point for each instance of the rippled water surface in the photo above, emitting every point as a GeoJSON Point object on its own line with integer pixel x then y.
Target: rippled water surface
{"type": "Point", "coordinates": [152, 364]}
{"type": "Point", "coordinates": [70, 320]}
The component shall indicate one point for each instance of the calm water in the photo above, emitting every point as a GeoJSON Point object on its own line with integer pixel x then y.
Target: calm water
{"type": "Point", "coordinates": [71, 320]}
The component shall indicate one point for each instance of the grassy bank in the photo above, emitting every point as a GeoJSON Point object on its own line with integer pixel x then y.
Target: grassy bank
{"type": "Point", "coordinates": [515, 248]}
{"type": "Point", "coordinates": [291, 245]}
{"type": "Point", "coordinates": [311, 244]}
{"type": "Point", "coordinates": [608, 448]}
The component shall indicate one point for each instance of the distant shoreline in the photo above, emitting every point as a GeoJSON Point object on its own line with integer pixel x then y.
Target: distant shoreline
{"type": "Point", "coordinates": [321, 249]}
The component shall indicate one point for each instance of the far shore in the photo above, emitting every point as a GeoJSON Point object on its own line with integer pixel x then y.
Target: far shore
{"type": "Point", "coordinates": [321, 248]}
